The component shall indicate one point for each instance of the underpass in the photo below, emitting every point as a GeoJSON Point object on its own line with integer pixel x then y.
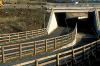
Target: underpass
{"type": "Point", "coordinates": [85, 29]}
{"type": "Point", "coordinates": [86, 25]}
{"type": "Point", "coordinates": [79, 36]}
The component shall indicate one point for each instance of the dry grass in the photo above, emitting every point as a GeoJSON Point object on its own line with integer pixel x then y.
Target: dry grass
{"type": "Point", "coordinates": [15, 20]}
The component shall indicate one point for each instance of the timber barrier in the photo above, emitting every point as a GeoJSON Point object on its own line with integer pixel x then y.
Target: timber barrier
{"type": "Point", "coordinates": [72, 56]}
{"type": "Point", "coordinates": [20, 50]}
{"type": "Point", "coordinates": [4, 38]}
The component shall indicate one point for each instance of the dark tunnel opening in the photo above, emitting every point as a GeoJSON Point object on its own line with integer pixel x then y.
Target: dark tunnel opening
{"type": "Point", "coordinates": [60, 17]}
{"type": "Point", "coordinates": [86, 25]}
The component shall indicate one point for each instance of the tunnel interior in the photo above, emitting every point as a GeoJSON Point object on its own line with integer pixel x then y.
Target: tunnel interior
{"type": "Point", "coordinates": [86, 25]}
{"type": "Point", "coordinates": [60, 17]}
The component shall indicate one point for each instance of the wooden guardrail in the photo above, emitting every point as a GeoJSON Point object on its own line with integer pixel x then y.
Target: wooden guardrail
{"type": "Point", "coordinates": [20, 50]}
{"type": "Point", "coordinates": [4, 38]}
{"type": "Point", "coordinates": [73, 56]}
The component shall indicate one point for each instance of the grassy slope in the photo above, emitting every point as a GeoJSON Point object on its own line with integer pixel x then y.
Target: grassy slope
{"type": "Point", "coordinates": [15, 20]}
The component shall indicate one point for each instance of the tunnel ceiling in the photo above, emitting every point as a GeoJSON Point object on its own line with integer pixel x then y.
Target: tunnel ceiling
{"type": "Point", "coordinates": [79, 14]}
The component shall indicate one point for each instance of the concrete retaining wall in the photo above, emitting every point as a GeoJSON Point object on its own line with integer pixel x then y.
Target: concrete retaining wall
{"type": "Point", "coordinates": [52, 24]}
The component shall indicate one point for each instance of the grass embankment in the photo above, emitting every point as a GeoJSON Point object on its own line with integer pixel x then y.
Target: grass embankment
{"type": "Point", "coordinates": [16, 20]}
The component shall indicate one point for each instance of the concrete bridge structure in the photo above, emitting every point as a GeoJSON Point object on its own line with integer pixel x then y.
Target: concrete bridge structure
{"type": "Point", "coordinates": [79, 11]}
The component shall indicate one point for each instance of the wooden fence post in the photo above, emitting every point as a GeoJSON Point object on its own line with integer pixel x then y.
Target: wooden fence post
{"type": "Point", "coordinates": [3, 55]}
{"type": "Point", "coordinates": [46, 45]}
{"type": "Point", "coordinates": [20, 50]}
{"type": "Point", "coordinates": [9, 38]}
{"type": "Point", "coordinates": [34, 48]}
{"type": "Point", "coordinates": [54, 43]}
{"type": "Point", "coordinates": [26, 35]}
{"type": "Point", "coordinates": [18, 36]}
{"type": "Point", "coordinates": [91, 48]}
{"type": "Point", "coordinates": [36, 63]}
{"type": "Point", "coordinates": [57, 60]}
{"type": "Point", "coordinates": [83, 53]}
{"type": "Point", "coordinates": [73, 59]}
{"type": "Point", "coordinates": [92, 51]}
{"type": "Point", "coordinates": [96, 48]}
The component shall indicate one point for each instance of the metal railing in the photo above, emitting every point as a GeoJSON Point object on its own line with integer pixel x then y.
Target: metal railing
{"type": "Point", "coordinates": [4, 38]}
{"type": "Point", "coordinates": [20, 50]}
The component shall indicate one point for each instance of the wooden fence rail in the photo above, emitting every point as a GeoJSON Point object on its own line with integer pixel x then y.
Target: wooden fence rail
{"type": "Point", "coordinates": [74, 55]}
{"type": "Point", "coordinates": [4, 38]}
{"type": "Point", "coordinates": [20, 50]}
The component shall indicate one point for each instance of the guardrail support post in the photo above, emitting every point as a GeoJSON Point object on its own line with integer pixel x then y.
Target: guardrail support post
{"type": "Point", "coordinates": [54, 43]}
{"type": "Point", "coordinates": [57, 60]}
{"type": "Point", "coordinates": [9, 38]}
{"type": "Point", "coordinates": [20, 50]}
{"type": "Point", "coordinates": [26, 35]}
{"type": "Point", "coordinates": [73, 57]}
{"type": "Point", "coordinates": [46, 45]}
{"type": "Point", "coordinates": [34, 48]}
{"type": "Point", "coordinates": [93, 54]}
{"type": "Point", "coordinates": [36, 62]}
{"type": "Point", "coordinates": [83, 53]}
{"type": "Point", "coordinates": [97, 48]}
{"type": "Point", "coordinates": [18, 36]}
{"type": "Point", "coordinates": [3, 55]}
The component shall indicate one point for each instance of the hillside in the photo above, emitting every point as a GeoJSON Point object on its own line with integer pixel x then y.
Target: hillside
{"type": "Point", "coordinates": [16, 20]}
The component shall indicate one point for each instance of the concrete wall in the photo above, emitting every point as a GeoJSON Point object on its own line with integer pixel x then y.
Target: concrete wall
{"type": "Point", "coordinates": [97, 21]}
{"type": "Point", "coordinates": [1, 3]}
{"type": "Point", "coordinates": [79, 14]}
{"type": "Point", "coordinates": [73, 43]}
{"type": "Point", "coordinates": [52, 24]}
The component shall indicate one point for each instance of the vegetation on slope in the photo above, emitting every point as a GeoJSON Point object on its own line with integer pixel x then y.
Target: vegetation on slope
{"type": "Point", "coordinates": [16, 20]}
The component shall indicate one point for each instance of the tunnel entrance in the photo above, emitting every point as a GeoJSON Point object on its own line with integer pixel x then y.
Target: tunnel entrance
{"type": "Point", "coordinates": [60, 17]}
{"type": "Point", "coordinates": [85, 25]}
{"type": "Point", "coordinates": [86, 30]}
